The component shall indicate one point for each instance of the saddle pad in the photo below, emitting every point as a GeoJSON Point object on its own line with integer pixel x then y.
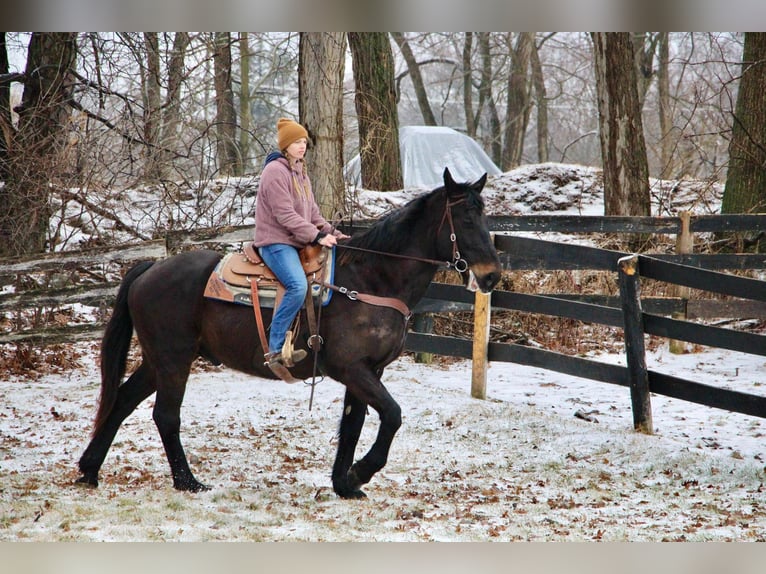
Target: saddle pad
{"type": "Point", "coordinates": [219, 288]}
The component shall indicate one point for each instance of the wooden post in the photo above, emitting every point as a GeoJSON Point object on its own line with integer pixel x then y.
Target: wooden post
{"type": "Point", "coordinates": [423, 323]}
{"type": "Point", "coordinates": [481, 322]}
{"type": "Point", "coordinates": [630, 294]}
{"type": "Point", "coordinates": [684, 244]}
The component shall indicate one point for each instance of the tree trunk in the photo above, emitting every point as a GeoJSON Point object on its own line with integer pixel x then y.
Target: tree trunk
{"type": "Point", "coordinates": [745, 190]}
{"type": "Point", "coordinates": [623, 151]}
{"type": "Point", "coordinates": [152, 106]}
{"type": "Point", "coordinates": [244, 99]}
{"type": "Point", "coordinates": [517, 107]}
{"type": "Point", "coordinates": [486, 97]}
{"type": "Point", "coordinates": [172, 116]}
{"type": "Point", "coordinates": [35, 148]}
{"type": "Point", "coordinates": [320, 78]}
{"type": "Point", "coordinates": [6, 127]}
{"type": "Point", "coordinates": [413, 68]}
{"type": "Point", "coordinates": [541, 103]}
{"type": "Point", "coordinates": [470, 122]}
{"type": "Point", "coordinates": [375, 100]}
{"type": "Point", "coordinates": [663, 95]}
{"type": "Point", "coordinates": [226, 116]}
{"type": "Point", "coordinates": [644, 46]}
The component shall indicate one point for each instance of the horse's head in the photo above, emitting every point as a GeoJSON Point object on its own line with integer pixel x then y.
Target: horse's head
{"type": "Point", "coordinates": [473, 250]}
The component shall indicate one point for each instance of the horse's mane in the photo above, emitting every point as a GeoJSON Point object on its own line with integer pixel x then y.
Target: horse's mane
{"type": "Point", "coordinates": [390, 233]}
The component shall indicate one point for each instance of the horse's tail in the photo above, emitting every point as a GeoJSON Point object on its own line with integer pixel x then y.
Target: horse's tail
{"type": "Point", "coordinates": [115, 346]}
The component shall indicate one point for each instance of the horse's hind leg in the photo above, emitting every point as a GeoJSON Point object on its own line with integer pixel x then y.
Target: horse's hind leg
{"type": "Point", "coordinates": [167, 417]}
{"type": "Point", "coordinates": [130, 394]}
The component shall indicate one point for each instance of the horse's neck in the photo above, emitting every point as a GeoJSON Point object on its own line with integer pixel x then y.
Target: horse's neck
{"type": "Point", "coordinates": [409, 278]}
{"type": "Point", "coordinates": [405, 279]}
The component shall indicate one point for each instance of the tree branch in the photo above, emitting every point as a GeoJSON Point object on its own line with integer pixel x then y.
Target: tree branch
{"type": "Point", "coordinates": [119, 224]}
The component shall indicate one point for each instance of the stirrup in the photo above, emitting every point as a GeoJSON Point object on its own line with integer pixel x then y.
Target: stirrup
{"type": "Point", "coordinates": [271, 359]}
{"type": "Point", "coordinates": [274, 362]}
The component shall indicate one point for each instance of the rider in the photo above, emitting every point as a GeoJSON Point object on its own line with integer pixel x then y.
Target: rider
{"type": "Point", "coordinates": [287, 218]}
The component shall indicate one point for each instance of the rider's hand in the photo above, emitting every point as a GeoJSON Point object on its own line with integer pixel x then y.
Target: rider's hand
{"type": "Point", "coordinates": [328, 241]}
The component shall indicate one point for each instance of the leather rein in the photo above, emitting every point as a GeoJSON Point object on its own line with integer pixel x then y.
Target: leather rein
{"type": "Point", "coordinates": [458, 263]}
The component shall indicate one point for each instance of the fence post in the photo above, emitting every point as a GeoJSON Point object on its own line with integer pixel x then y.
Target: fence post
{"type": "Point", "coordinates": [684, 244]}
{"type": "Point", "coordinates": [481, 322]}
{"type": "Point", "coordinates": [423, 323]}
{"type": "Point", "coordinates": [630, 295]}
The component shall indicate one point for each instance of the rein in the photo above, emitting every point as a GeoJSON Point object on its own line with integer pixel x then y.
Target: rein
{"type": "Point", "coordinates": [458, 263]}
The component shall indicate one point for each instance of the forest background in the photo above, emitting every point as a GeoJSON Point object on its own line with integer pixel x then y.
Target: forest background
{"type": "Point", "coordinates": [87, 115]}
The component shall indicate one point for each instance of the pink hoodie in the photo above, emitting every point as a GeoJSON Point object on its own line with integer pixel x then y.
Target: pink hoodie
{"type": "Point", "coordinates": [285, 210]}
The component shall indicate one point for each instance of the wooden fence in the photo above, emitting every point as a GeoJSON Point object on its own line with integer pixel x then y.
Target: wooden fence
{"type": "Point", "coordinates": [663, 317]}
{"type": "Point", "coordinates": [636, 316]}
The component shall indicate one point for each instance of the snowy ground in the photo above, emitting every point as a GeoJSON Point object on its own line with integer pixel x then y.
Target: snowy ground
{"type": "Point", "coordinates": [518, 466]}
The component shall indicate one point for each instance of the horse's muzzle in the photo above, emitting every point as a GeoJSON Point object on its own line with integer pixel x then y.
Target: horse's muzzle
{"type": "Point", "coordinates": [482, 278]}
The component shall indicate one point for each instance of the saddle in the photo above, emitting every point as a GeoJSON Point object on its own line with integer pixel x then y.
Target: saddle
{"type": "Point", "coordinates": [241, 269]}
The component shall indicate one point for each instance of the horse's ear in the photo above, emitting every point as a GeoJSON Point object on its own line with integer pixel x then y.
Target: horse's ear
{"type": "Point", "coordinates": [479, 184]}
{"type": "Point", "coordinates": [448, 181]}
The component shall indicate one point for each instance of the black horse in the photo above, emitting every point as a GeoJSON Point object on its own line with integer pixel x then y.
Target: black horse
{"type": "Point", "coordinates": [175, 323]}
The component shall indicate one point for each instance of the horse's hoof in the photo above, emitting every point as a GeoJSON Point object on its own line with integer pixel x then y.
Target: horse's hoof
{"type": "Point", "coordinates": [356, 495]}
{"type": "Point", "coordinates": [351, 494]}
{"type": "Point", "coordinates": [194, 486]}
{"type": "Point", "coordinates": [86, 481]}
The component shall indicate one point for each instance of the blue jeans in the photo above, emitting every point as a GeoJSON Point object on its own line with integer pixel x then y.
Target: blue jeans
{"type": "Point", "coordinates": [284, 261]}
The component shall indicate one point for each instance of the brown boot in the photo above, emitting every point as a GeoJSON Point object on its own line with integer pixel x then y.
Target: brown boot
{"type": "Point", "coordinates": [287, 360]}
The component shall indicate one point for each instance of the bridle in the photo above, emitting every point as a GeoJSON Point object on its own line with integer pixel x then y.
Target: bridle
{"type": "Point", "coordinates": [458, 263]}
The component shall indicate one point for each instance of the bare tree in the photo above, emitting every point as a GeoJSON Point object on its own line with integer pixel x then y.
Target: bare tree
{"type": "Point", "coordinates": [644, 48]}
{"type": "Point", "coordinates": [226, 115]}
{"type": "Point", "coordinates": [518, 104]}
{"type": "Point", "coordinates": [375, 101]}
{"type": "Point", "coordinates": [486, 98]}
{"type": "Point", "coordinates": [36, 146]}
{"type": "Point", "coordinates": [626, 172]}
{"type": "Point", "coordinates": [6, 126]}
{"type": "Point", "coordinates": [413, 69]}
{"type": "Point", "coordinates": [320, 75]}
{"type": "Point", "coordinates": [171, 117]}
{"type": "Point", "coordinates": [663, 103]}
{"type": "Point", "coordinates": [745, 190]}
{"type": "Point", "coordinates": [152, 105]}
{"type": "Point", "coordinates": [541, 104]}
{"type": "Point", "coordinates": [244, 98]}
{"type": "Point", "coordinates": [470, 120]}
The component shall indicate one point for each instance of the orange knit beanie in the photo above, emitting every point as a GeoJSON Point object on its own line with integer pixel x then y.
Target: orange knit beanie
{"type": "Point", "coordinates": [289, 131]}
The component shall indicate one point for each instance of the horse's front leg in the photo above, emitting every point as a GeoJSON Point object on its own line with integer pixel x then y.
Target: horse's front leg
{"type": "Point", "coordinates": [368, 390]}
{"type": "Point", "coordinates": [351, 422]}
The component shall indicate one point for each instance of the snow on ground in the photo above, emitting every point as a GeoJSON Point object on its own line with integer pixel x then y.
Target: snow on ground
{"type": "Point", "coordinates": [517, 466]}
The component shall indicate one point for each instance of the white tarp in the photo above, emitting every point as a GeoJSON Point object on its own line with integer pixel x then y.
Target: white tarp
{"type": "Point", "coordinates": [426, 151]}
